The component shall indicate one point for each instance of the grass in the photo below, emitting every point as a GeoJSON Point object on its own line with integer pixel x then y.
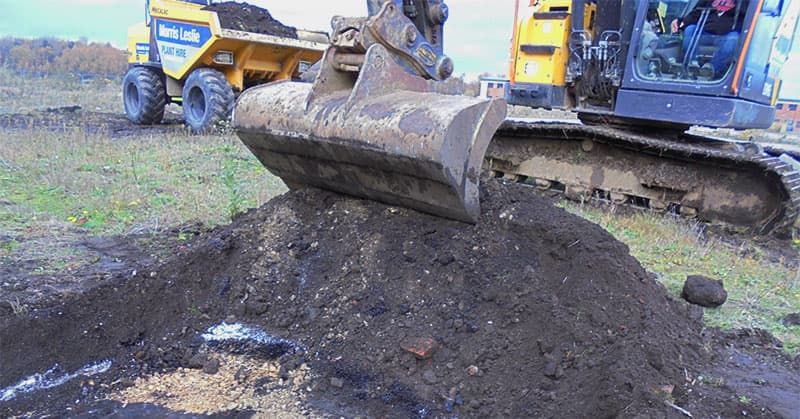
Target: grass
{"type": "Point", "coordinates": [18, 308]}
{"type": "Point", "coordinates": [122, 186]}
{"type": "Point", "coordinates": [760, 291]}
{"type": "Point", "coordinates": [8, 246]}
{"type": "Point", "coordinates": [56, 188]}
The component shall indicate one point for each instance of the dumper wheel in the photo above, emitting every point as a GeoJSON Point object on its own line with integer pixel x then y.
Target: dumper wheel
{"type": "Point", "coordinates": [144, 96]}
{"type": "Point", "coordinates": [207, 100]}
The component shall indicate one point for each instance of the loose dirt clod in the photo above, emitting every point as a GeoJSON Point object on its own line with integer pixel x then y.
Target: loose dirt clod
{"type": "Point", "coordinates": [211, 366]}
{"type": "Point", "coordinates": [536, 313]}
{"type": "Point", "coordinates": [791, 319]}
{"type": "Point", "coordinates": [704, 291]}
{"type": "Point", "coordinates": [249, 18]}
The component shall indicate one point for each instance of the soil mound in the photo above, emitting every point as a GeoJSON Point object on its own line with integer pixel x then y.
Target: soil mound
{"type": "Point", "coordinates": [249, 18]}
{"type": "Point", "coordinates": [557, 317]}
{"type": "Point", "coordinates": [533, 312]}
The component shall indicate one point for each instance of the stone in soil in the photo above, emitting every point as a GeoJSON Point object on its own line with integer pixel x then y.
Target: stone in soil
{"type": "Point", "coordinates": [337, 382]}
{"type": "Point", "coordinates": [429, 376]}
{"type": "Point", "coordinates": [211, 366]}
{"type": "Point", "coordinates": [198, 361]}
{"type": "Point", "coordinates": [422, 348]}
{"type": "Point", "coordinates": [704, 291]}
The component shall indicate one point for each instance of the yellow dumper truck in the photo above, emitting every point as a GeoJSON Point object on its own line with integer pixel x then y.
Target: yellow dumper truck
{"type": "Point", "coordinates": [201, 54]}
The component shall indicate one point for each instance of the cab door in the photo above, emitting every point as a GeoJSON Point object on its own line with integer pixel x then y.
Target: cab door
{"type": "Point", "coordinates": [759, 75]}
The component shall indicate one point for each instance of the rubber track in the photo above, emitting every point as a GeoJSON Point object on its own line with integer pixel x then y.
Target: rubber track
{"type": "Point", "coordinates": [690, 148]}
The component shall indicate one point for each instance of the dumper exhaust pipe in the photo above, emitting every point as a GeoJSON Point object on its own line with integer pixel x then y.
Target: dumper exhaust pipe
{"type": "Point", "coordinates": [382, 133]}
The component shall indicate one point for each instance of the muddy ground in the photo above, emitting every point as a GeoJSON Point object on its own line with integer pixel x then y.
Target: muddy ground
{"type": "Point", "coordinates": [313, 304]}
{"type": "Point", "coordinates": [27, 283]}
{"type": "Point", "coordinates": [113, 124]}
{"type": "Point", "coordinates": [249, 18]}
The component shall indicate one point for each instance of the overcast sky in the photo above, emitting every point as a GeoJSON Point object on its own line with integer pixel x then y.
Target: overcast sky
{"type": "Point", "coordinates": [477, 35]}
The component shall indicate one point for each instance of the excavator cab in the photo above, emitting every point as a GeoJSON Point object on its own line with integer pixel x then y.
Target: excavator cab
{"type": "Point", "coordinates": [677, 63]}
{"type": "Point", "coordinates": [690, 41]}
{"type": "Point", "coordinates": [708, 63]}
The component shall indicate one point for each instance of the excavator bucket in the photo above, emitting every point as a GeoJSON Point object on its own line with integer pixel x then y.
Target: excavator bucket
{"type": "Point", "coordinates": [381, 134]}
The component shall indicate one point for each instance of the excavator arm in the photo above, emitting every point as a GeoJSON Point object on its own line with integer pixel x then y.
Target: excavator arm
{"type": "Point", "coordinates": [411, 31]}
{"type": "Point", "coordinates": [377, 122]}
{"type": "Point", "coordinates": [429, 17]}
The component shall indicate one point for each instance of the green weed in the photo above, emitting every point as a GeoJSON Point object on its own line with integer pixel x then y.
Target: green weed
{"type": "Point", "coordinates": [8, 246]}
{"type": "Point", "coordinates": [18, 308]}
{"type": "Point", "coordinates": [194, 311]}
{"type": "Point", "coordinates": [236, 200]}
{"type": "Point", "coordinates": [711, 381]}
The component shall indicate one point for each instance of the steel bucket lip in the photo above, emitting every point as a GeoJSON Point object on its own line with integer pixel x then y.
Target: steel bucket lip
{"type": "Point", "coordinates": [391, 137]}
{"type": "Point", "coordinates": [431, 185]}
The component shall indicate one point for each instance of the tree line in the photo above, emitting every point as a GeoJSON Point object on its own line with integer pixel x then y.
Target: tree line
{"type": "Point", "coordinates": [51, 56]}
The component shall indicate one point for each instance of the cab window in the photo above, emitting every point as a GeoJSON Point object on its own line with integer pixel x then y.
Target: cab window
{"type": "Point", "coordinates": [693, 41]}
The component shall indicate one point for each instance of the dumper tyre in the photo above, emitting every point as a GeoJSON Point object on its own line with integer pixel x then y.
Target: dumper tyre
{"type": "Point", "coordinates": [207, 100]}
{"type": "Point", "coordinates": [144, 95]}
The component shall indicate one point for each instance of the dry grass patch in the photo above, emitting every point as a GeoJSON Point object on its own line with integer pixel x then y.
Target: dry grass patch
{"type": "Point", "coordinates": [24, 94]}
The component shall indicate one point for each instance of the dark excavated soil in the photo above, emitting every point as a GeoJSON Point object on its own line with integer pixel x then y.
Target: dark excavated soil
{"type": "Point", "coordinates": [556, 316]}
{"type": "Point", "coordinates": [249, 18]}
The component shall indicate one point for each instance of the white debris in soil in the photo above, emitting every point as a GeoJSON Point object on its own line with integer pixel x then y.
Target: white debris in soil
{"type": "Point", "coordinates": [225, 332]}
{"type": "Point", "coordinates": [50, 379]}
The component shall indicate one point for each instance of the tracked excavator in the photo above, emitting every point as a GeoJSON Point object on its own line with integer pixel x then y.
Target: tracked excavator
{"type": "Point", "coordinates": [379, 122]}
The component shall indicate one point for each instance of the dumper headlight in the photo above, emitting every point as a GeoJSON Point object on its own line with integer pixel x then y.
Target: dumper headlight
{"type": "Point", "coordinates": [223, 58]}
